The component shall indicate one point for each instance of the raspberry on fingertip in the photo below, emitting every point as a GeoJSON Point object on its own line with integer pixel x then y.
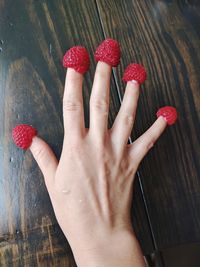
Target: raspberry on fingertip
{"type": "Point", "coordinates": [22, 135]}
{"type": "Point", "coordinates": [168, 113]}
{"type": "Point", "coordinates": [135, 72]}
{"type": "Point", "coordinates": [77, 58]}
{"type": "Point", "coordinates": [109, 52]}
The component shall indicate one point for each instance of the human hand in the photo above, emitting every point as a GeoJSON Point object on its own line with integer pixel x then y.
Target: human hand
{"type": "Point", "coordinates": [91, 186]}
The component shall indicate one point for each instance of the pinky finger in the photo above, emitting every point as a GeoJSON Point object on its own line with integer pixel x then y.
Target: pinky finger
{"type": "Point", "coordinates": [140, 147]}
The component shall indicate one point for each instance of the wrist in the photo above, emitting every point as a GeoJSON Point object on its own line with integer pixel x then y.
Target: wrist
{"type": "Point", "coordinates": [112, 249]}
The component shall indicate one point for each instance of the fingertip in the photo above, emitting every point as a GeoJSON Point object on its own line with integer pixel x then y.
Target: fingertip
{"type": "Point", "coordinates": [103, 70]}
{"type": "Point", "coordinates": [36, 141]}
{"type": "Point", "coordinates": [161, 122]}
{"type": "Point", "coordinates": [39, 146]}
{"type": "Point", "coordinates": [157, 128]}
{"type": "Point", "coordinates": [73, 76]}
{"type": "Point", "coordinates": [140, 147]}
{"type": "Point", "coordinates": [134, 82]}
{"type": "Point", "coordinates": [133, 86]}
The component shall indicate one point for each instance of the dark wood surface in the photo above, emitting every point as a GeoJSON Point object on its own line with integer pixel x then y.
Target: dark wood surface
{"type": "Point", "coordinates": [164, 36]}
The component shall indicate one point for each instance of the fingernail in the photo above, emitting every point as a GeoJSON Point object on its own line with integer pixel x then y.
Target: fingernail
{"type": "Point", "coordinates": [22, 135]}
{"type": "Point", "coordinates": [134, 82]}
{"type": "Point", "coordinates": [168, 113]}
{"type": "Point", "coordinates": [77, 58]}
{"type": "Point", "coordinates": [109, 52]}
{"type": "Point", "coordinates": [135, 72]}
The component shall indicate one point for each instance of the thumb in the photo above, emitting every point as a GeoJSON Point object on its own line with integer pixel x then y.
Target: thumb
{"type": "Point", "coordinates": [45, 159]}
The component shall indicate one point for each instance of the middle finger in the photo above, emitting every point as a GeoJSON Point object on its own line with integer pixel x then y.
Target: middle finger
{"type": "Point", "coordinates": [108, 55]}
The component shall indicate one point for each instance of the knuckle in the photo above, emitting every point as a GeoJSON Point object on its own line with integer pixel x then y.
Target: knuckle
{"type": "Point", "coordinates": [144, 147]}
{"type": "Point", "coordinates": [101, 151]}
{"type": "Point", "coordinates": [75, 148]}
{"type": "Point", "coordinates": [100, 143]}
{"type": "Point", "coordinates": [150, 144]}
{"type": "Point", "coordinates": [71, 105]}
{"type": "Point", "coordinates": [99, 104]}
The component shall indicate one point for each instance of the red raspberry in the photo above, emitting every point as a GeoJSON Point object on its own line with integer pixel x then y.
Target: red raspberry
{"type": "Point", "coordinates": [135, 72]}
{"type": "Point", "coordinates": [109, 52]}
{"type": "Point", "coordinates": [169, 113]}
{"type": "Point", "coordinates": [22, 135]}
{"type": "Point", "coordinates": [77, 58]}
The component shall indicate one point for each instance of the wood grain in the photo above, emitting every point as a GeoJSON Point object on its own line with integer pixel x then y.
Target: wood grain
{"type": "Point", "coordinates": [33, 38]}
{"type": "Point", "coordinates": [164, 37]}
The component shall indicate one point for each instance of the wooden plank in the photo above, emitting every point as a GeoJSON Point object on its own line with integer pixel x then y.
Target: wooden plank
{"type": "Point", "coordinates": [34, 36]}
{"type": "Point", "coordinates": [164, 37]}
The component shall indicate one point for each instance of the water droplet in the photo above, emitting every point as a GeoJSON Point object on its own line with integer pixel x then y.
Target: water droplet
{"type": "Point", "coordinates": [1, 42]}
{"type": "Point", "coordinates": [17, 232]}
{"type": "Point", "coordinates": [66, 192]}
{"type": "Point", "coordinates": [1, 49]}
{"type": "Point", "coordinates": [11, 159]}
{"type": "Point", "coordinates": [17, 116]}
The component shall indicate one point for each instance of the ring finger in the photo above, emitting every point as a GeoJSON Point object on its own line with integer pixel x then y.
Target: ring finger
{"type": "Point", "coordinates": [134, 75]}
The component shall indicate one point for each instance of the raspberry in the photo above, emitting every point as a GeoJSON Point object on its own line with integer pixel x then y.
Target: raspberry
{"type": "Point", "coordinates": [135, 72]}
{"type": "Point", "coordinates": [109, 52]}
{"type": "Point", "coordinates": [23, 134]}
{"type": "Point", "coordinates": [77, 58]}
{"type": "Point", "coordinates": [169, 113]}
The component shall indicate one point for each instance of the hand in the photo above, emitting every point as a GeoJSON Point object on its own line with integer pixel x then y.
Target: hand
{"type": "Point", "coordinates": [91, 186]}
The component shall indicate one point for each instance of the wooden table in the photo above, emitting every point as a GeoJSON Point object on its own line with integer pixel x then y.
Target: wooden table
{"type": "Point", "coordinates": [162, 35]}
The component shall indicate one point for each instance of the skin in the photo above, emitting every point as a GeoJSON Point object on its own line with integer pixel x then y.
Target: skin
{"type": "Point", "coordinates": [91, 186]}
